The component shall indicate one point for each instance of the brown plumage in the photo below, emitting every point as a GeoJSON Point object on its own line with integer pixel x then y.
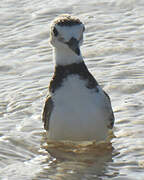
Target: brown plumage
{"type": "Point", "coordinates": [47, 112]}
{"type": "Point", "coordinates": [66, 20]}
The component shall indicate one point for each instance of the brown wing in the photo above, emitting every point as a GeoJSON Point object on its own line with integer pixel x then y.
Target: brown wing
{"type": "Point", "coordinates": [111, 116]}
{"type": "Point", "coordinates": [47, 112]}
{"type": "Point", "coordinates": [111, 121]}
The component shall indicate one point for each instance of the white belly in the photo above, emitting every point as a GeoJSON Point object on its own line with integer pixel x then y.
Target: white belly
{"type": "Point", "coordinates": [79, 113]}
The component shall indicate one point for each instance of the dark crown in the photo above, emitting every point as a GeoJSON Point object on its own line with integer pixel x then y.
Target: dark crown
{"type": "Point", "coordinates": [66, 20]}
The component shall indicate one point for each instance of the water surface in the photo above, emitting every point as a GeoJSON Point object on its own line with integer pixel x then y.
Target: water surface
{"type": "Point", "coordinates": [114, 53]}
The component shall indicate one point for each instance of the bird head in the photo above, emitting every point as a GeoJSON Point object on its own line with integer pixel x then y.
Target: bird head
{"type": "Point", "coordinates": [67, 32]}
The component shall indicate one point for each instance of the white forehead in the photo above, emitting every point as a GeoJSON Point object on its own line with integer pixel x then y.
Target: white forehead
{"type": "Point", "coordinates": [70, 31]}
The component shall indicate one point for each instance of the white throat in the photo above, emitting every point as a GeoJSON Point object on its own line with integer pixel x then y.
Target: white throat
{"type": "Point", "coordinates": [65, 56]}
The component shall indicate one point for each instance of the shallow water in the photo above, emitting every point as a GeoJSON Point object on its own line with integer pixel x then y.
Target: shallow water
{"type": "Point", "coordinates": [114, 52]}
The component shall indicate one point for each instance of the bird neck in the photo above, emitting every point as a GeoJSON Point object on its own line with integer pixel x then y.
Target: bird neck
{"type": "Point", "coordinates": [66, 57]}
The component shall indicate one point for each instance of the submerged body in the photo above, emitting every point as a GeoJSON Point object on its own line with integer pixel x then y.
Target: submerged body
{"type": "Point", "coordinates": [79, 113]}
{"type": "Point", "coordinates": [77, 108]}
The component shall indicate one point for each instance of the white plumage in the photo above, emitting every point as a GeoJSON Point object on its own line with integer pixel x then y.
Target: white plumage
{"type": "Point", "coordinates": [79, 113]}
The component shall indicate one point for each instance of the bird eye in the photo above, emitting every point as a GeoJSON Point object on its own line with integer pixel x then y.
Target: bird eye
{"type": "Point", "coordinates": [55, 31]}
